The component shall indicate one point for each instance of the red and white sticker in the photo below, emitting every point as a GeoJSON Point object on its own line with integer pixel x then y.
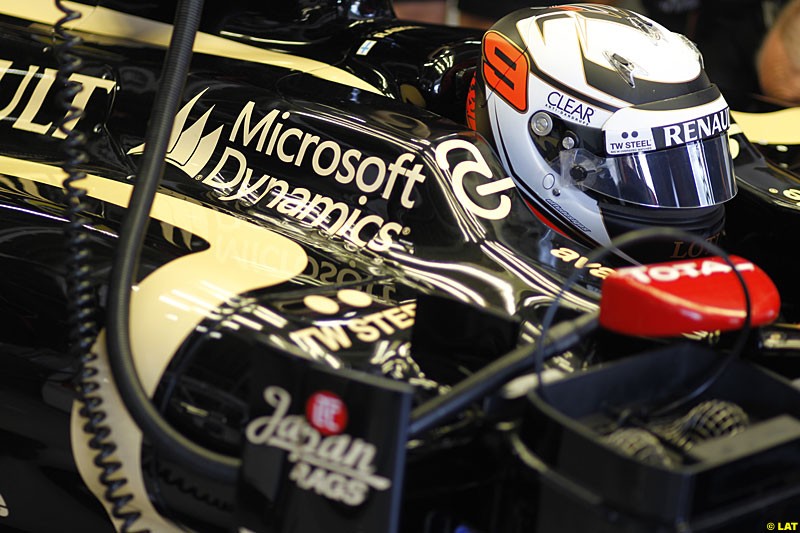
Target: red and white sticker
{"type": "Point", "coordinates": [327, 413]}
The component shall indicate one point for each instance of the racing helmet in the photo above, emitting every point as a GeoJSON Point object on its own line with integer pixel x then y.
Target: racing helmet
{"type": "Point", "coordinates": [605, 120]}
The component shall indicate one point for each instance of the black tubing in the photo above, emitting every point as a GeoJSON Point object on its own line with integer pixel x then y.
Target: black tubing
{"type": "Point", "coordinates": [497, 373]}
{"type": "Point", "coordinates": [169, 442]}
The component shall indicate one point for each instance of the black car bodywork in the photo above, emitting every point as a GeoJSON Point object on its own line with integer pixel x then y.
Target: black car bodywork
{"type": "Point", "coordinates": [328, 235]}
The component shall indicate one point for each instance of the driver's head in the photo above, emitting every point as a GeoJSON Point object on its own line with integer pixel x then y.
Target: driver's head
{"type": "Point", "coordinates": [606, 120]}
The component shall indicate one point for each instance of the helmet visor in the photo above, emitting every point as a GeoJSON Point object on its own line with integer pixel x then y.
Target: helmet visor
{"type": "Point", "coordinates": [695, 174]}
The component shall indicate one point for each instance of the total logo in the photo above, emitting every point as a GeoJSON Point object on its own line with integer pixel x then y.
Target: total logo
{"type": "Point", "coordinates": [326, 460]}
{"type": "Point", "coordinates": [676, 271]}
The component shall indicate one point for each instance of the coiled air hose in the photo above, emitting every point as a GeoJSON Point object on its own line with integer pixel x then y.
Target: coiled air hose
{"type": "Point", "coordinates": [81, 292]}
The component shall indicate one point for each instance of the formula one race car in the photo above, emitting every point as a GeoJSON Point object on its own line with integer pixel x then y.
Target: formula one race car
{"type": "Point", "coordinates": [300, 266]}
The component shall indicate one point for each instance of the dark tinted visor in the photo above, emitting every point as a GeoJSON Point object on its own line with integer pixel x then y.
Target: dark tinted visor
{"type": "Point", "coordinates": [695, 174]}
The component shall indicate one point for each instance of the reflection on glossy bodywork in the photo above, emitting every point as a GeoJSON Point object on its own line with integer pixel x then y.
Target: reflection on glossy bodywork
{"type": "Point", "coordinates": [182, 293]}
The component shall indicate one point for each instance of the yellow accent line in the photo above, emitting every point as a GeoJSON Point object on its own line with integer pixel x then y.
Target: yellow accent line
{"type": "Point", "coordinates": [106, 22]}
{"type": "Point", "coordinates": [776, 127]}
{"type": "Point", "coordinates": [167, 306]}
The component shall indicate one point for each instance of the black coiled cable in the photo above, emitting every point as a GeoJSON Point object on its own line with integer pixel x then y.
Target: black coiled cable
{"type": "Point", "coordinates": [81, 302]}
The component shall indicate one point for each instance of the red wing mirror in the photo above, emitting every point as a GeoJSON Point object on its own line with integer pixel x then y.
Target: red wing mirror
{"type": "Point", "coordinates": [668, 299]}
